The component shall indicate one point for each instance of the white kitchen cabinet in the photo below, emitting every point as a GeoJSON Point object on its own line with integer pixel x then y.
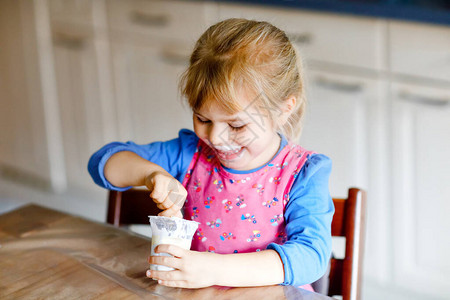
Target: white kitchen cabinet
{"type": "Point", "coordinates": [345, 120]}
{"type": "Point", "coordinates": [148, 103]}
{"type": "Point", "coordinates": [420, 186]}
{"type": "Point", "coordinates": [337, 124]}
{"type": "Point", "coordinates": [83, 82]}
{"type": "Point", "coordinates": [159, 20]}
{"type": "Point", "coordinates": [151, 45]}
{"type": "Point", "coordinates": [420, 50]}
{"type": "Point", "coordinates": [30, 150]}
{"type": "Point", "coordinates": [79, 12]}
{"type": "Point", "coordinates": [345, 40]}
{"type": "Point", "coordinates": [79, 102]}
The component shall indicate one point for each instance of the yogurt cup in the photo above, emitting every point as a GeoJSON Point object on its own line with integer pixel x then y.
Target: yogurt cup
{"type": "Point", "coordinates": [173, 231]}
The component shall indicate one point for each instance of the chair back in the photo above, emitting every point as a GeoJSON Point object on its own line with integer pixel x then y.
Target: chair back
{"type": "Point", "coordinates": [349, 221]}
{"type": "Point", "coordinates": [130, 207]}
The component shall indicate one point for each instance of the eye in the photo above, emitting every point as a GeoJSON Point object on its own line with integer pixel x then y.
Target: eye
{"type": "Point", "coordinates": [237, 128]}
{"type": "Point", "coordinates": [202, 121]}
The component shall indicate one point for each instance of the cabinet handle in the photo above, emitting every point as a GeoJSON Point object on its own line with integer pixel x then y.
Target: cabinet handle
{"type": "Point", "coordinates": [152, 20]}
{"type": "Point", "coordinates": [424, 100]}
{"type": "Point", "coordinates": [71, 42]}
{"type": "Point", "coordinates": [300, 38]}
{"type": "Point", "coordinates": [339, 86]}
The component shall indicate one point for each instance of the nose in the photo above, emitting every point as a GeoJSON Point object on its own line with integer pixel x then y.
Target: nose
{"type": "Point", "coordinates": [217, 135]}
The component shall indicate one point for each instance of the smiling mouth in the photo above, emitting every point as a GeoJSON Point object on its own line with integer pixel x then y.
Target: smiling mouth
{"type": "Point", "coordinates": [230, 155]}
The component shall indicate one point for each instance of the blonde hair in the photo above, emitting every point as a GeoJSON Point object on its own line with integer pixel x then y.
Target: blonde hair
{"type": "Point", "coordinates": [239, 53]}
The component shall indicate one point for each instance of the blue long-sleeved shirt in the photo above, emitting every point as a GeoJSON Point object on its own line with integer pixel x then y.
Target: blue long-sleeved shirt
{"type": "Point", "coordinates": [308, 213]}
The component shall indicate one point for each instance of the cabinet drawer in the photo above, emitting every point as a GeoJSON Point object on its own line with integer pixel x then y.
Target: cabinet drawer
{"type": "Point", "coordinates": [180, 20]}
{"type": "Point", "coordinates": [420, 50]}
{"type": "Point", "coordinates": [72, 11]}
{"type": "Point", "coordinates": [336, 39]}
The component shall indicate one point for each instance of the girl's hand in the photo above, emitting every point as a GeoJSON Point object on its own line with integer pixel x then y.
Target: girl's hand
{"type": "Point", "coordinates": [167, 192]}
{"type": "Point", "coordinates": [192, 269]}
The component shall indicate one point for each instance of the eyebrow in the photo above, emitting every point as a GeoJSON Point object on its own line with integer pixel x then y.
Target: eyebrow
{"type": "Point", "coordinates": [228, 120]}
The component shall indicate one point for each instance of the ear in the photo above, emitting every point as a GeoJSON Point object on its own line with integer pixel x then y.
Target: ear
{"type": "Point", "coordinates": [286, 109]}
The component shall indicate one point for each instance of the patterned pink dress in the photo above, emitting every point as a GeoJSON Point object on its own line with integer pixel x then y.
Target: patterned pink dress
{"type": "Point", "coordinates": [240, 213]}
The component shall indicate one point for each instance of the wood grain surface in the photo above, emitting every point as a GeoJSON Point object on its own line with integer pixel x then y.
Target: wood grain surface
{"type": "Point", "coordinates": [45, 254]}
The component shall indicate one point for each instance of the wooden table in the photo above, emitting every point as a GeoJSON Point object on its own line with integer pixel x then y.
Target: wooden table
{"type": "Point", "coordinates": [48, 254]}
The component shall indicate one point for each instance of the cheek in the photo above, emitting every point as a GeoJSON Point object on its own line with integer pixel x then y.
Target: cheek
{"type": "Point", "coordinates": [264, 130]}
{"type": "Point", "coordinates": [256, 136]}
{"type": "Point", "coordinates": [199, 129]}
{"type": "Point", "coordinates": [242, 138]}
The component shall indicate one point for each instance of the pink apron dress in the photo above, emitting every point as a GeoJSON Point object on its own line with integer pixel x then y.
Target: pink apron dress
{"type": "Point", "coordinates": [240, 213]}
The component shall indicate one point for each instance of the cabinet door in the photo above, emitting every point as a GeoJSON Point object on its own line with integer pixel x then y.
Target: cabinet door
{"type": "Point", "coordinates": [337, 124]}
{"type": "Point", "coordinates": [421, 189]}
{"type": "Point", "coordinates": [82, 111]}
{"type": "Point", "coordinates": [148, 102]}
{"type": "Point", "coordinates": [420, 50]}
{"type": "Point", "coordinates": [346, 120]}
{"type": "Point", "coordinates": [30, 149]}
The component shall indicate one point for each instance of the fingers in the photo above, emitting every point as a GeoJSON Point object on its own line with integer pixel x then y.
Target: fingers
{"type": "Point", "coordinates": [177, 198]}
{"type": "Point", "coordinates": [167, 261]}
{"type": "Point", "coordinates": [169, 209]}
{"type": "Point", "coordinates": [163, 205]}
{"type": "Point", "coordinates": [163, 200]}
{"type": "Point", "coordinates": [171, 249]}
{"type": "Point", "coordinates": [159, 194]}
{"type": "Point", "coordinates": [173, 211]}
{"type": "Point", "coordinates": [190, 268]}
{"type": "Point", "coordinates": [167, 193]}
{"type": "Point", "coordinates": [173, 199]}
{"type": "Point", "coordinates": [179, 214]}
{"type": "Point", "coordinates": [167, 278]}
{"type": "Point", "coordinates": [171, 205]}
{"type": "Point", "coordinates": [170, 278]}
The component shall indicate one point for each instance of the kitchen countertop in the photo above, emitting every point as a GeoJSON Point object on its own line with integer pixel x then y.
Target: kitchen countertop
{"type": "Point", "coordinates": [432, 11]}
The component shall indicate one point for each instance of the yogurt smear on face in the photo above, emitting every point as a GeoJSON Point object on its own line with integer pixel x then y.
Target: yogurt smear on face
{"type": "Point", "coordinates": [230, 155]}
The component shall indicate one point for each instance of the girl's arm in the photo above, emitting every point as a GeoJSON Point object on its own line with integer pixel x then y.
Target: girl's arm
{"type": "Point", "coordinates": [250, 269]}
{"type": "Point", "coordinates": [173, 156]}
{"type": "Point", "coordinates": [158, 165]}
{"type": "Point", "coordinates": [201, 269]}
{"type": "Point", "coordinates": [126, 168]}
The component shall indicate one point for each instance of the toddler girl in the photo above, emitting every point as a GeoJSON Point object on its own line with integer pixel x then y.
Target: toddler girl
{"type": "Point", "coordinates": [262, 201]}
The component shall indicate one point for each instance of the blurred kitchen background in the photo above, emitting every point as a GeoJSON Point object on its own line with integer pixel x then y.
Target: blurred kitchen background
{"type": "Point", "coordinates": [77, 74]}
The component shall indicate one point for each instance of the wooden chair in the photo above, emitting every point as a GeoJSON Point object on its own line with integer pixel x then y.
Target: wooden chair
{"type": "Point", "coordinates": [349, 222]}
{"type": "Point", "coordinates": [130, 207]}
{"type": "Point", "coordinates": [134, 206]}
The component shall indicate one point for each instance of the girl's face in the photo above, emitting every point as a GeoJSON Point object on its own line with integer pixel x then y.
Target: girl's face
{"type": "Point", "coordinates": [242, 141]}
